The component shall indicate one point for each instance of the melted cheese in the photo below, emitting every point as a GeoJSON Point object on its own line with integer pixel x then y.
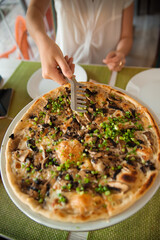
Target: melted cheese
{"type": "Point", "coordinates": [71, 150]}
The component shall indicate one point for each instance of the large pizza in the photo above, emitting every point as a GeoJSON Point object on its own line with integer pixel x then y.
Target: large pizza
{"type": "Point", "coordinates": [78, 167]}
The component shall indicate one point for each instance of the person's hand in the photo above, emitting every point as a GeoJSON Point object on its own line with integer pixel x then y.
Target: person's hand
{"type": "Point", "coordinates": [115, 61]}
{"type": "Point", "coordinates": [54, 64]}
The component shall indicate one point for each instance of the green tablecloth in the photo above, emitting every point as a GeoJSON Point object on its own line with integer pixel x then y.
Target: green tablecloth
{"type": "Point", "coordinates": [14, 224]}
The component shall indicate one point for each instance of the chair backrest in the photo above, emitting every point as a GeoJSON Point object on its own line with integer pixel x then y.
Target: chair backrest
{"type": "Point", "coordinates": [21, 37]}
{"type": "Point", "coordinates": [21, 41]}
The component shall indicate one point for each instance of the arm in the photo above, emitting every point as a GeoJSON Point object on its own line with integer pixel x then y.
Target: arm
{"type": "Point", "coordinates": [50, 54]}
{"type": "Point", "coordinates": [116, 59]}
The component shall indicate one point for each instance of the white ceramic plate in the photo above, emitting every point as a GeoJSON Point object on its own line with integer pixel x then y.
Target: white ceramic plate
{"type": "Point", "coordinates": [146, 86]}
{"type": "Point", "coordinates": [37, 86]}
{"type": "Point", "coordinates": [89, 226]}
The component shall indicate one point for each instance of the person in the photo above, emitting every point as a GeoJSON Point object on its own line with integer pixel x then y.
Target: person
{"type": "Point", "coordinates": [88, 31]}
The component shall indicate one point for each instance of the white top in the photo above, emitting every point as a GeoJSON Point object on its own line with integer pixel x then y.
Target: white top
{"type": "Point", "coordinates": [88, 29]}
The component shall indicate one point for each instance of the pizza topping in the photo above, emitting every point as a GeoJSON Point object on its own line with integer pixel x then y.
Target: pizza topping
{"type": "Point", "coordinates": [31, 144]}
{"type": "Point", "coordinates": [21, 155]}
{"type": "Point", "coordinates": [62, 199]}
{"type": "Point", "coordinates": [11, 136]}
{"type": "Point", "coordinates": [118, 186]}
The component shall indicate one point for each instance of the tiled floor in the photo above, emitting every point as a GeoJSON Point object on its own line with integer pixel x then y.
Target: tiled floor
{"type": "Point", "coordinates": [146, 35]}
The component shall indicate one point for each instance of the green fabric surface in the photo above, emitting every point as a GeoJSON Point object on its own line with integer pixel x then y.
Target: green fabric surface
{"type": "Point", "coordinates": [102, 74]}
{"type": "Point", "coordinates": [98, 73]}
{"type": "Point", "coordinates": [126, 74]}
{"type": "Point", "coordinates": [16, 225]}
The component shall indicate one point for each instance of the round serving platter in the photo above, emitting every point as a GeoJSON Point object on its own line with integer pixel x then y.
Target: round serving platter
{"type": "Point", "coordinates": [87, 226]}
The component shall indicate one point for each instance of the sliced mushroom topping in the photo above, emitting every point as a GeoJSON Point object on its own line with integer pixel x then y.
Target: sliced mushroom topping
{"type": "Point", "coordinates": [133, 161]}
{"type": "Point", "coordinates": [60, 183]}
{"type": "Point", "coordinates": [88, 117]}
{"type": "Point", "coordinates": [25, 184]}
{"type": "Point", "coordinates": [32, 116]}
{"type": "Point", "coordinates": [90, 94]}
{"type": "Point", "coordinates": [78, 118]}
{"type": "Point", "coordinates": [74, 120]}
{"type": "Point", "coordinates": [37, 191]}
{"type": "Point", "coordinates": [81, 120]}
{"type": "Point", "coordinates": [112, 142]}
{"type": "Point", "coordinates": [114, 105]}
{"type": "Point", "coordinates": [75, 124]}
{"type": "Point", "coordinates": [150, 165]}
{"type": "Point", "coordinates": [116, 173]}
{"type": "Point", "coordinates": [71, 132]}
{"type": "Point", "coordinates": [33, 192]}
{"type": "Point", "coordinates": [43, 162]}
{"type": "Point", "coordinates": [53, 118]}
{"type": "Point", "coordinates": [143, 169]}
{"type": "Point", "coordinates": [95, 154]}
{"type": "Point", "coordinates": [150, 139]}
{"type": "Point", "coordinates": [45, 189]}
{"type": "Point", "coordinates": [68, 91]}
{"type": "Point", "coordinates": [47, 119]}
{"type": "Point", "coordinates": [118, 113]}
{"type": "Point", "coordinates": [22, 154]}
{"type": "Point", "coordinates": [98, 165]}
{"type": "Point", "coordinates": [114, 97]}
{"type": "Point", "coordinates": [118, 186]}
{"type": "Point", "coordinates": [15, 143]}
{"type": "Point", "coordinates": [91, 141]}
{"type": "Point", "coordinates": [92, 108]}
{"type": "Point", "coordinates": [81, 133]}
{"type": "Point", "coordinates": [133, 111]}
{"type": "Point", "coordinates": [31, 144]}
{"type": "Point", "coordinates": [12, 136]}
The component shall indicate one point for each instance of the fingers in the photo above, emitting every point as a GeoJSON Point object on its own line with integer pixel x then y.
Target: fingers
{"type": "Point", "coordinates": [116, 66]}
{"type": "Point", "coordinates": [57, 71]}
{"type": "Point", "coordinates": [110, 56]}
{"type": "Point", "coordinates": [115, 61]}
{"type": "Point", "coordinates": [65, 67]}
{"type": "Point", "coordinates": [54, 65]}
{"type": "Point", "coordinates": [54, 74]}
{"type": "Point", "coordinates": [70, 63]}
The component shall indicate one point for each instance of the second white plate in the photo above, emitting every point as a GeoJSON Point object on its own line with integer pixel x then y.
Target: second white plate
{"type": "Point", "coordinates": [38, 86]}
{"type": "Point", "coordinates": [146, 86]}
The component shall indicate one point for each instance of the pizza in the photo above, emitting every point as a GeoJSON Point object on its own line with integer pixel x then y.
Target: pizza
{"type": "Point", "coordinates": [76, 167]}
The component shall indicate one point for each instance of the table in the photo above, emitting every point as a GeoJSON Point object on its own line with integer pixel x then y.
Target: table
{"type": "Point", "coordinates": [97, 72]}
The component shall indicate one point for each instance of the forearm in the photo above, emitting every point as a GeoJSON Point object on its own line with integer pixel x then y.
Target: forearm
{"type": "Point", "coordinates": [124, 46]}
{"type": "Point", "coordinates": [126, 40]}
{"type": "Point", "coordinates": [50, 54]}
{"type": "Point", "coordinates": [35, 25]}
